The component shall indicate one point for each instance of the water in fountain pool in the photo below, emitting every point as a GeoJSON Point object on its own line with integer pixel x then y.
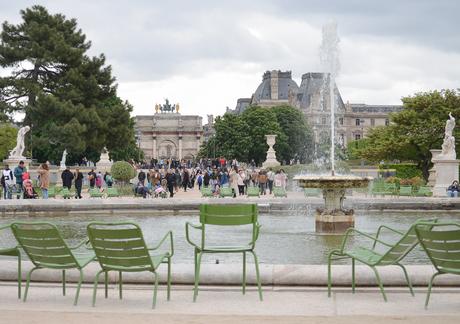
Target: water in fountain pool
{"type": "Point", "coordinates": [286, 237]}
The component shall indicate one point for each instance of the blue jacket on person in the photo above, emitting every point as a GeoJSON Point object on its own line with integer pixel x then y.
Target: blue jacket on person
{"type": "Point", "coordinates": [18, 171]}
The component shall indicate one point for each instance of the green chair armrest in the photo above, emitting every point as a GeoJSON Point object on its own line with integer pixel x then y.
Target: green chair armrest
{"type": "Point", "coordinates": [171, 243]}
{"type": "Point", "coordinates": [187, 237]}
{"type": "Point", "coordinates": [387, 228]}
{"type": "Point", "coordinates": [84, 242]}
{"type": "Point", "coordinates": [256, 235]}
{"type": "Point", "coordinates": [355, 231]}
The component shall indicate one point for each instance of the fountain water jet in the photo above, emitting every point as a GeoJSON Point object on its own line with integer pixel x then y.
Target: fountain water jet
{"type": "Point", "coordinates": [333, 218]}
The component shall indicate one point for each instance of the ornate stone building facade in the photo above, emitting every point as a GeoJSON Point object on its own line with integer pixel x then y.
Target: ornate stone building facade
{"type": "Point", "coordinates": [169, 135]}
{"type": "Point", "coordinates": [312, 98]}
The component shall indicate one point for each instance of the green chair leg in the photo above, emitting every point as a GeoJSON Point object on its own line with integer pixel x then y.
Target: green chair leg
{"type": "Point", "coordinates": [407, 279]}
{"type": "Point", "coordinates": [244, 273]}
{"type": "Point", "coordinates": [430, 285]}
{"type": "Point", "coordinates": [96, 280]}
{"type": "Point", "coordinates": [353, 283]}
{"type": "Point", "coordinates": [259, 285]}
{"type": "Point", "coordinates": [379, 283]}
{"type": "Point", "coordinates": [80, 280]}
{"type": "Point", "coordinates": [28, 282]}
{"type": "Point", "coordinates": [155, 291]}
{"type": "Point", "coordinates": [197, 276]}
{"type": "Point", "coordinates": [329, 275]}
{"type": "Point", "coordinates": [106, 283]}
{"type": "Point", "coordinates": [19, 275]}
{"type": "Point", "coordinates": [169, 279]}
{"type": "Point", "coordinates": [63, 282]}
{"type": "Point", "coordinates": [120, 283]}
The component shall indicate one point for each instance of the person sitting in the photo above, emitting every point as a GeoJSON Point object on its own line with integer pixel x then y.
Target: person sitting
{"type": "Point", "coordinates": [29, 192]}
{"type": "Point", "coordinates": [142, 190]}
{"type": "Point", "coordinates": [453, 189]}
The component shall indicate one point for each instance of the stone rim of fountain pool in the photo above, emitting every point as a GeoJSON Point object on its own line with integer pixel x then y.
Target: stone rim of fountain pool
{"type": "Point", "coordinates": [332, 181]}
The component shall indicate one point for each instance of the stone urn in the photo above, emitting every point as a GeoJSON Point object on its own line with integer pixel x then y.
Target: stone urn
{"type": "Point", "coordinates": [270, 160]}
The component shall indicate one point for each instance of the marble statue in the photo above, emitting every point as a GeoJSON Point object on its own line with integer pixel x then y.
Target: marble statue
{"type": "Point", "coordinates": [19, 148]}
{"type": "Point", "coordinates": [63, 160]}
{"type": "Point", "coordinates": [448, 145]}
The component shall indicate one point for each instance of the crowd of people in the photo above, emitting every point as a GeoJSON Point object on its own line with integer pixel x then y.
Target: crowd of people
{"type": "Point", "coordinates": [159, 178]}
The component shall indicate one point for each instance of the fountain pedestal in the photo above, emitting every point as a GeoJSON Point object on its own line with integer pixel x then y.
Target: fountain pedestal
{"type": "Point", "coordinates": [333, 218]}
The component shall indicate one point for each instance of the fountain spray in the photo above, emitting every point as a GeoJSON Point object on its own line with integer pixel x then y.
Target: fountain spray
{"type": "Point", "coordinates": [329, 56]}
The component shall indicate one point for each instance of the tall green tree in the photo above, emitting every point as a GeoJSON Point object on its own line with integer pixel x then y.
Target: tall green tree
{"type": "Point", "coordinates": [299, 144]}
{"type": "Point", "coordinates": [8, 135]}
{"type": "Point", "coordinates": [52, 76]}
{"type": "Point", "coordinates": [414, 131]}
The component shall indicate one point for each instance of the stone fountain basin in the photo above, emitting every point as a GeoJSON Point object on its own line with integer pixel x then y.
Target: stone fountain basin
{"type": "Point", "coordinates": [332, 182]}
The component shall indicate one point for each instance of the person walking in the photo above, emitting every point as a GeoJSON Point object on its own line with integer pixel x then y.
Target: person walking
{"type": "Point", "coordinates": [234, 181]}
{"type": "Point", "coordinates": [18, 172]}
{"type": "Point", "coordinates": [67, 178]}
{"type": "Point", "coordinates": [241, 182]}
{"type": "Point", "coordinates": [271, 179]}
{"type": "Point", "coordinates": [199, 180]}
{"type": "Point", "coordinates": [185, 179]}
{"type": "Point", "coordinates": [206, 179]}
{"type": "Point", "coordinates": [7, 182]}
{"type": "Point", "coordinates": [78, 183]}
{"type": "Point", "coordinates": [262, 179]}
{"type": "Point", "coordinates": [99, 181]}
{"type": "Point", "coordinates": [92, 178]}
{"type": "Point", "coordinates": [44, 173]}
{"type": "Point", "coordinates": [171, 180]}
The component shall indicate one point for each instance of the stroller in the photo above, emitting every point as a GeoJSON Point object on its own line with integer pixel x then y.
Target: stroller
{"type": "Point", "coordinates": [161, 190]}
{"type": "Point", "coordinates": [29, 191]}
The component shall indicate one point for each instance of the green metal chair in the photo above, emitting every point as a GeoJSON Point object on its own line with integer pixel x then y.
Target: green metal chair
{"type": "Point", "coordinates": [311, 192]}
{"type": "Point", "coordinates": [95, 193]}
{"type": "Point", "coordinates": [46, 248]}
{"type": "Point", "coordinates": [52, 192]}
{"type": "Point", "coordinates": [65, 193]}
{"type": "Point", "coordinates": [13, 252]}
{"type": "Point", "coordinates": [424, 191]}
{"type": "Point", "coordinates": [206, 192]}
{"type": "Point", "coordinates": [390, 189]}
{"type": "Point", "coordinates": [225, 215]}
{"type": "Point", "coordinates": [381, 253]}
{"type": "Point", "coordinates": [121, 247]}
{"type": "Point", "coordinates": [441, 243]}
{"type": "Point", "coordinates": [279, 192]}
{"type": "Point", "coordinates": [112, 192]}
{"type": "Point", "coordinates": [225, 192]}
{"type": "Point", "coordinates": [405, 191]}
{"type": "Point", "coordinates": [253, 192]}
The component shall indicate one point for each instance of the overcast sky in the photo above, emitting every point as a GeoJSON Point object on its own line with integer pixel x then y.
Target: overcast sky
{"type": "Point", "coordinates": [206, 54]}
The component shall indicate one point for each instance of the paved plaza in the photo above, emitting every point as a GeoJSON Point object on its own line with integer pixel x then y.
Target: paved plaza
{"type": "Point", "coordinates": [228, 305]}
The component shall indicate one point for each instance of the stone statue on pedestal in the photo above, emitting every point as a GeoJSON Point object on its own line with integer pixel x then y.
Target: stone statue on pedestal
{"type": "Point", "coordinates": [19, 148]}
{"type": "Point", "coordinates": [448, 145]}
{"type": "Point", "coordinates": [63, 160]}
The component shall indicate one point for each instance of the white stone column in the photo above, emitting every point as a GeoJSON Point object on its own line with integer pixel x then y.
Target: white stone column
{"type": "Point", "coordinates": [155, 154]}
{"type": "Point", "coordinates": [180, 146]}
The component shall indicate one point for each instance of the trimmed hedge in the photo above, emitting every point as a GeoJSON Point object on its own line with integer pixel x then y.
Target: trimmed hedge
{"type": "Point", "coordinates": [122, 171]}
{"type": "Point", "coordinates": [404, 170]}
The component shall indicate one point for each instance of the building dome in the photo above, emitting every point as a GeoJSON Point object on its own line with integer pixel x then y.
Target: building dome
{"type": "Point", "coordinates": [276, 85]}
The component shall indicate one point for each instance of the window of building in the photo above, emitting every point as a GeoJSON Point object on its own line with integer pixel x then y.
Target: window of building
{"type": "Point", "coordinates": [372, 122]}
{"type": "Point", "coordinates": [323, 120]}
{"type": "Point", "coordinates": [387, 122]}
{"type": "Point", "coordinates": [358, 122]}
{"type": "Point", "coordinates": [357, 137]}
{"type": "Point", "coordinates": [341, 121]}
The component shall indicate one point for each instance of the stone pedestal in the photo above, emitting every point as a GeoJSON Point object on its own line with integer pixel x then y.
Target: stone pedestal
{"type": "Point", "coordinates": [104, 164]}
{"type": "Point", "coordinates": [14, 162]}
{"type": "Point", "coordinates": [446, 171]}
{"type": "Point", "coordinates": [271, 160]}
{"type": "Point", "coordinates": [334, 218]}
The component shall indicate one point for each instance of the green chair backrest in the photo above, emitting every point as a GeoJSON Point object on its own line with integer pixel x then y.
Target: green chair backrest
{"type": "Point", "coordinates": [253, 192]}
{"type": "Point", "coordinates": [311, 192]}
{"type": "Point", "coordinates": [424, 190]}
{"type": "Point", "coordinates": [405, 190]}
{"type": "Point", "coordinates": [112, 192]}
{"type": "Point", "coordinates": [405, 244]}
{"type": "Point", "coordinates": [119, 246]}
{"type": "Point", "coordinates": [390, 187]}
{"type": "Point", "coordinates": [228, 214]}
{"type": "Point", "coordinates": [206, 192]}
{"type": "Point", "coordinates": [44, 245]}
{"type": "Point", "coordinates": [65, 192]}
{"type": "Point", "coordinates": [226, 192]}
{"type": "Point", "coordinates": [441, 243]}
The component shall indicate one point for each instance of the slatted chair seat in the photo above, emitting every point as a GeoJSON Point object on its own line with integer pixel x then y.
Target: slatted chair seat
{"type": "Point", "coordinates": [112, 192]}
{"type": "Point", "coordinates": [225, 215]}
{"type": "Point", "coordinates": [65, 193]}
{"type": "Point", "coordinates": [279, 192]}
{"type": "Point", "coordinates": [225, 192]}
{"type": "Point", "coordinates": [380, 253]}
{"type": "Point", "coordinates": [253, 192]}
{"type": "Point", "coordinates": [405, 191]}
{"type": "Point", "coordinates": [206, 192]}
{"type": "Point", "coordinates": [441, 242]}
{"type": "Point", "coordinates": [46, 248]}
{"type": "Point", "coordinates": [95, 193]}
{"type": "Point", "coordinates": [121, 247]}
